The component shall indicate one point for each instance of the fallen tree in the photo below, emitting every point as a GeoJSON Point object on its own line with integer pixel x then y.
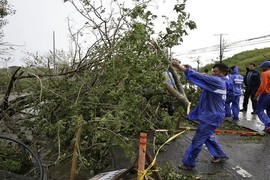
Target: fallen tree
{"type": "Point", "coordinates": [104, 85]}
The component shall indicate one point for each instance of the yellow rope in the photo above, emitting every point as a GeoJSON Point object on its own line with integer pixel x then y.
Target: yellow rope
{"type": "Point", "coordinates": [155, 157]}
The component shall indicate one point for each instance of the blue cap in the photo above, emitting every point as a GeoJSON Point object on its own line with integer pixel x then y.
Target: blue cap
{"type": "Point", "coordinates": [265, 64]}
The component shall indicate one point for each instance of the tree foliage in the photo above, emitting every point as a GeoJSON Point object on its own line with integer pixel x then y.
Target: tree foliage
{"type": "Point", "coordinates": [5, 10]}
{"type": "Point", "coordinates": [116, 84]}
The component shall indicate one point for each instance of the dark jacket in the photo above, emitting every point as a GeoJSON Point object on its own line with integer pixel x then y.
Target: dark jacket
{"type": "Point", "coordinates": [254, 81]}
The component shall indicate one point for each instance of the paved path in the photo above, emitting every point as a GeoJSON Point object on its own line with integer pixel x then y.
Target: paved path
{"type": "Point", "coordinates": [248, 155]}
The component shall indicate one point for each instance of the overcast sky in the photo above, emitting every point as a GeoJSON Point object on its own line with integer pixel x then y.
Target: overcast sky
{"type": "Point", "coordinates": [35, 20]}
{"type": "Point", "coordinates": [33, 24]}
{"type": "Point", "coordinates": [236, 19]}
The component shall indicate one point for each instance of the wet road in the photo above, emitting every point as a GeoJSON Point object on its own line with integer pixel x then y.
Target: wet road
{"type": "Point", "coordinates": [248, 155]}
{"type": "Point", "coordinates": [249, 120]}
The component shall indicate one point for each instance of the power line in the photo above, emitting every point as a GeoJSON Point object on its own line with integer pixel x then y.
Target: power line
{"type": "Point", "coordinates": [249, 44]}
{"type": "Point", "coordinates": [236, 44]}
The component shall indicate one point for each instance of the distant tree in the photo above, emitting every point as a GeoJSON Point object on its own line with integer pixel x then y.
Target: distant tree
{"type": "Point", "coordinates": [5, 10]}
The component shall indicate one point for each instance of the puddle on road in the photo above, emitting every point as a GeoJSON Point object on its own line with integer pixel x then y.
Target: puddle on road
{"type": "Point", "coordinates": [242, 172]}
{"type": "Point", "coordinates": [251, 121]}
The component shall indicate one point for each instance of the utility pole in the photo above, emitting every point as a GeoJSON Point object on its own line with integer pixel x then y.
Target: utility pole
{"type": "Point", "coordinates": [198, 63]}
{"type": "Point", "coordinates": [170, 53]}
{"type": "Point", "coordinates": [54, 64]}
{"type": "Point", "coordinates": [221, 47]}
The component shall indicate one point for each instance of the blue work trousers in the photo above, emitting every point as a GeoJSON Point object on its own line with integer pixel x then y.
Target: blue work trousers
{"type": "Point", "coordinates": [232, 107]}
{"type": "Point", "coordinates": [263, 105]}
{"type": "Point", "coordinates": [203, 135]}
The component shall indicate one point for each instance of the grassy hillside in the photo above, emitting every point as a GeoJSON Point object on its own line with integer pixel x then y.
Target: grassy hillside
{"type": "Point", "coordinates": [244, 58]}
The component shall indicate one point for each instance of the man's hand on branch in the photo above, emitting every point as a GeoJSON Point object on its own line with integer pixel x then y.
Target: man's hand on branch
{"type": "Point", "coordinates": [177, 65]}
{"type": "Point", "coordinates": [176, 60]}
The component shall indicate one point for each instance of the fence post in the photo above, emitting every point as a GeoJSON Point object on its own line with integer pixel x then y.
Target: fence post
{"type": "Point", "coordinates": [142, 153]}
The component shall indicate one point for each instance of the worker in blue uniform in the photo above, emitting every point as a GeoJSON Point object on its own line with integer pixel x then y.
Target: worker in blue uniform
{"type": "Point", "coordinates": [234, 91]}
{"type": "Point", "coordinates": [210, 112]}
{"type": "Point", "coordinates": [262, 96]}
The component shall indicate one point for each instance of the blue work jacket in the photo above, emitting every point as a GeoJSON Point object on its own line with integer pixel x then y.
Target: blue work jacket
{"type": "Point", "coordinates": [234, 83]}
{"type": "Point", "coordinates": [211, 105]}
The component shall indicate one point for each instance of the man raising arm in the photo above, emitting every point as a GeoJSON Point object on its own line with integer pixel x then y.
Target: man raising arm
{"type": "Point", "coordinates": [210, 112]}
